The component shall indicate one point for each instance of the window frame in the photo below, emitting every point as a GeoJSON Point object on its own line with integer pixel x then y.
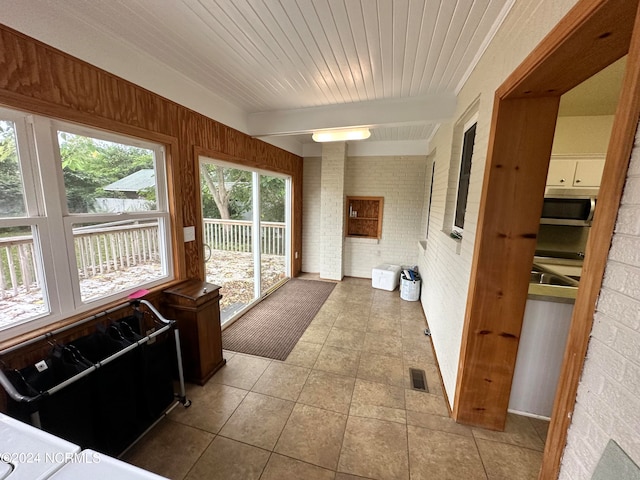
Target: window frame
{"type": "Point", "coordinates": [46, 209]}
{"type": "Point", "coordinates": [457, 230]}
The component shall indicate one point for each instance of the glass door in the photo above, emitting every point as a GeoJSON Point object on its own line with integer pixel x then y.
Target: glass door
{"type": "Point", "coordinates": [273, 228]}
{"type": "Point", "coordinates": [227, 211]}
{"type": "Point", "coordinates": [246, 233]}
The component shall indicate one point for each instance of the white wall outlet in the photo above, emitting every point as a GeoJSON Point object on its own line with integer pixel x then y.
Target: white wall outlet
{"type": "Point", "coordinates": [189, 234]}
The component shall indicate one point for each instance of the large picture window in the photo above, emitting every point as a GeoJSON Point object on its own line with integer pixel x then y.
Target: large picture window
{"type": "Point", "coordinates": [84, 219]}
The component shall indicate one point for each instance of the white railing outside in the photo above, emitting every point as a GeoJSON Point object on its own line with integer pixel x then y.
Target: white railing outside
{"type": "Point", "coordinates": [236, 236]}
{"type": "Point", "coordinates": [116, 248]}
{"type": "Point", "coordinates": [106, 249]}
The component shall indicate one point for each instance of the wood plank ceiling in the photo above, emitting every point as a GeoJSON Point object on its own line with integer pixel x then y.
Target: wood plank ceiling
{"type": "Point", "coordinates": [285, 55]}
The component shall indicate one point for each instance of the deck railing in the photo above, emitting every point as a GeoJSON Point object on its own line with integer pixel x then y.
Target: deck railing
{"type": "Point", "coordinates": [236, 236]}
{"type": "Point", "coordinates": [115, 248]}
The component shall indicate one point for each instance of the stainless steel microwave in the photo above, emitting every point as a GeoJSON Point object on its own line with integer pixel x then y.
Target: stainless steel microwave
{"type": "Point", "coordinates": [568, 210]}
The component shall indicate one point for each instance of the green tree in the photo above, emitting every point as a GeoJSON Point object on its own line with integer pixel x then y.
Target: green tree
{"type": "Point", "coordinates": [230, 190]}
{"type": "Point", "coordinates": [11, 190]}
{"type": "Point", "coordinates": [89, 164]}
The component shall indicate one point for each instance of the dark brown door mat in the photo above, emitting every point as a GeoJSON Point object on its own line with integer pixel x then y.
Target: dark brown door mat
{"type": "Point", "coordinates": [273, 327]}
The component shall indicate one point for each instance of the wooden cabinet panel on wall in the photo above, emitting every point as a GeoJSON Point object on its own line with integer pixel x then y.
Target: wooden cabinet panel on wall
{"type": "Point", "coordinates": [364, 217]}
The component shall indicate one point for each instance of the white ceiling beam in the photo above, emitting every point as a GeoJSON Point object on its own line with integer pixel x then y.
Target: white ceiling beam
{"type": "Point", "coordinates": [373, 149]}
{"type": "Point", "coordinates": [380, 113]}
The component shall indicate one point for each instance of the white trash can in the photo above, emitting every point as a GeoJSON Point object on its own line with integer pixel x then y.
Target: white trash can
{"type": "Point", "coordinates": [410, 289]}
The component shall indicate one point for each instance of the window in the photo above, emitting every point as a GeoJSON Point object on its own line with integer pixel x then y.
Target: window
{"type": "Point", "coordinates": [83, 219]}
{"type": "Point", "coordinates": [468, 141]}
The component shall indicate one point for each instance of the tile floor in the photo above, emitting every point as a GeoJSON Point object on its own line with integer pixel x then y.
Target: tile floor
{"type": "Point", "coordinates": [340, 407]}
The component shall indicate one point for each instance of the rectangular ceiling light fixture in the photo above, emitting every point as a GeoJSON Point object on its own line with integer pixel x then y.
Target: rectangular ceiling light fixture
{"type": "Point", "coordinates": [341, 135]}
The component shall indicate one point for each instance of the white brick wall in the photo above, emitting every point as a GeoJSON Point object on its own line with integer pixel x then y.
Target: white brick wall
{"type": "Point", "coordinates": [401, 181]}
{"type": "Point", "coordinates": [608, 403]}
{"type": "Point", "coordinates": [311, 228]}
{"type": "Point", "coordinates": [332, 209]}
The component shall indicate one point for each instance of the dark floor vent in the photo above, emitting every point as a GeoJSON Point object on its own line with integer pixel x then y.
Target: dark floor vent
{"type": "Point", "coordinates": [418, 379]}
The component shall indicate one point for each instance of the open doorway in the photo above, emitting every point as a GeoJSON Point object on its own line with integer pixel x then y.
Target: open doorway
{"type": "Point", "coordinates": [582, 134]}
{"type": "Point", "coordinates": [246, 233]}
{"type": "Point", "coordinates": [592, 36]}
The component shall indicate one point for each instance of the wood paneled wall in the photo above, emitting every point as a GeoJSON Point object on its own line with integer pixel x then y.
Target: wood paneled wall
{"type": "Point", "coordinates": [40, 79]}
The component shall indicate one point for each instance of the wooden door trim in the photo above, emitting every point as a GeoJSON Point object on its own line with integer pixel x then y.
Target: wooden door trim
{"type": "Point", "coordinates": [613, 179]}
{"type": "Point", "coordinates": [590, 37]}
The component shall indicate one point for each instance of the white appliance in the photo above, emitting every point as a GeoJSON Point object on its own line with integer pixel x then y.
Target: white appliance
{"type": "Point", "coordinates": [385, 277]}
{"type": "Point", "coordinates": [96, 466]}
{"type": "Point", "coordinates": [30, 454]}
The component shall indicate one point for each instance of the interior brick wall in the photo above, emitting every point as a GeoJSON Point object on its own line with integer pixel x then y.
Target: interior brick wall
{"type": "Point", "coordinates": [334, 156]}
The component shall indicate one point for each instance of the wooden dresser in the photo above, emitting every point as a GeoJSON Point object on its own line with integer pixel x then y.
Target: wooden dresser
{"type": "Point", "coordinates": [196, 307]}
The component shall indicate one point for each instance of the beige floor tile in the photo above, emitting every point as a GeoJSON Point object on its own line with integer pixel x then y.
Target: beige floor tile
{"type": "Point", "coordinates": [227, 354]}
{"type": "Point", "coordinates": [282, 381]}
{"type": "Point", "coordinates": [328, 391]}
{"type": "Point", "coordinates": [411, 311]}
{"type": "Point", "coordinates": [382, 369]}
{"type": "Point", "coordinates": [509, 462]}
{"type": "Point", "coordinates": [350, 339]}
{"type": "Point", "coordinates": [434, 454]}
{"type": "Point", "coordinates": [338, 360]}
{"type": "Point", "coordinates": [241, 371]}
{"type": "Point", "coordinates": [227, 459]}
{"type": "Point", "coordinates": [384, 326]}
{"type": "Point", "coordinates": [170, 449]}
{"type": "Point", "coordinates": [385, 310]}
{"type": "Point", "coordinates": [425, 403]}
{"type": "Point", "coordinates": [334, 304]}
{"type": "Point", "coordinates": [326, 317]}
{"type": "Point", "coordinates": [412, 328]}
{"type": "Point", "coordinates": [316, 334]}
{"type": "Point", "coordinates": [541, 426]}
{"type": "Point", "coordinates": [377, 400]}
{"type": "Point", "coordinates": [375, 449]}
{"type": "Point", "coordinates": [211, 406]}
{"type": "Point", "coordinates": [346, 476]}
{"type": "Point", "coordinates": [437, 422]}
{"type": "Point", "coordinates": [396, 415]}
{"type": "Point", "coordinates": [378, 394]}
{"type": "Point", "coordinates": [352, 320]}
{"type": "Point", "coordinates": [304, 354]}
{"type": "Point", "coordinates": [313, 435]}
{"type": "Point", "coordinates": [383, 344]}
{"type": "Point", "coordinates": [285, 468]}
{"type": "Point", "coordinates": [517, 431]}
{"type": "Point", "coordinates": [418, 350]}
{"type": "Point", "coordinates": [258, 420]}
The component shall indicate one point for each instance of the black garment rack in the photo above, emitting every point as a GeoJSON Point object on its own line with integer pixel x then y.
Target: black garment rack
{"type": "Point", "coordinates": [167, 325]}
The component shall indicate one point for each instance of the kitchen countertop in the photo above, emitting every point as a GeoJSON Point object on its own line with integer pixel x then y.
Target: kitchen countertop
{"type": "Point", "coordinates": [552, 293]}
{"type": "Point", "coordinates": [556, 293]}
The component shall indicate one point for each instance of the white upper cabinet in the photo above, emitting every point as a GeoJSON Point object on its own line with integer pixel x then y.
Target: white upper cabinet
{"type": "Point", "coordinates": [575, 171]}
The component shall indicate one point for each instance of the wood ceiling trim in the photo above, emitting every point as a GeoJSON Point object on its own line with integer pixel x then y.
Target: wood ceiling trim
{"type": "Point", "coordinates": [594, 32]}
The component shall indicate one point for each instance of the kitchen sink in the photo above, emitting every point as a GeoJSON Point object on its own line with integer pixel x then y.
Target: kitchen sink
{"type": "Point", "coordinates": [544, 277]}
